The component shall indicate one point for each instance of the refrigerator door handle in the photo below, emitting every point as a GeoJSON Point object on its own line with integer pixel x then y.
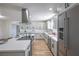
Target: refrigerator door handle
{"type": "Point", "coordinates": [66, 34]}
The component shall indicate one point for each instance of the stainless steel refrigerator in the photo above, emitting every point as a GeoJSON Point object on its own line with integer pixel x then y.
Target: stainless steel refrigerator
{"type": "Point", "coordinates": [68, 29]}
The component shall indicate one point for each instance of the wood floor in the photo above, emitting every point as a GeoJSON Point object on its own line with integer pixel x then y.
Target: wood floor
{"type": "Point", "coordinates": [39, 48]}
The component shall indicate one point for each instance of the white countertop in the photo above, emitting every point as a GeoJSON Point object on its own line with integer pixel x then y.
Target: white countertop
{"type": "Point", "coordinates": [52, 36]}
{"type": "Point", "coordinates": [15, 45]}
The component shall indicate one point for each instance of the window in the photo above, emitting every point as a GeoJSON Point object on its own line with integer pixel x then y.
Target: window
{"type": "Point", "coordinates": [50, 24]}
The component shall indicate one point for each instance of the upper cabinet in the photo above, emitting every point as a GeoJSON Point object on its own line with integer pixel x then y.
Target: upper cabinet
{"type": "Point", "coordinates": [48, 24]}
{"type": "Point", "coordinates": [52, 23]}
{"type": "Point", "coordinates": [68, 5]}
{"type": "Point", "coordinates": [61, 19]}
{"type": "Point", "coordinates": [55, 22]}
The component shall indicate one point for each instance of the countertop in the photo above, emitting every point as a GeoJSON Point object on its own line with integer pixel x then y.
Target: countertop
{"type": "Point", "coordinates": [52, 36]}
{"type": "Point", "coordinates": [15, 45]}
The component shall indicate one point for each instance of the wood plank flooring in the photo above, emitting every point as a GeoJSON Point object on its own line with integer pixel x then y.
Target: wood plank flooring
{"type": "Point", "coordinates": [39, 48]}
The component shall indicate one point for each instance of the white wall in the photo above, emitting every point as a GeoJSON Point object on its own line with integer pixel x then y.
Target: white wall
{"type": "Point", "coordinates": [4, 29]}
{"type": "Point", "coordinates": [1, 30]}
{"type": "Point", "coordinates": [7, 29]}
{"type": "Point", "coordinates": [11, 14]}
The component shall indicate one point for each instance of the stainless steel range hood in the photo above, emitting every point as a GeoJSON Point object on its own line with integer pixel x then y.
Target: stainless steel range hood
{"type": "Point", "coordinates": [25, 16]}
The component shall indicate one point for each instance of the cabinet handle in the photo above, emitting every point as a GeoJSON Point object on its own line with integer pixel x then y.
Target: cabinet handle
{"type": "Point", "coordinates": [66, 32]}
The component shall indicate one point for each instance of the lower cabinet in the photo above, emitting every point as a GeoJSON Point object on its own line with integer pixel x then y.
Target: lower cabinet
{"type": "Point", "coordinates": [27, 52]}
{"type": "Point", "coordinates": [14, 53]}
{"type": "Point", "coordinates": [45, 37]}
{"type": "Point", "coordinates": [49, 43]}
{"type": "Point", "coordinates": [52, 44]}
{"type": "Point", "coordinates": [54, 47]}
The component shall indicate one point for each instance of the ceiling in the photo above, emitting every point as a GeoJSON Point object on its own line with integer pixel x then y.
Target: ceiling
{"type": "Point", "coordinates": [40, 11]}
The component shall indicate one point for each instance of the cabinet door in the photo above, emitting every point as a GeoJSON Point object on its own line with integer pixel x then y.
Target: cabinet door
{"type": "Point", "coordinates": [73, 31]}
{"type": "Point", "coordinates": [49, 43]}
{"type": "Point", "coordinates": [61, 47]}
{"type": "Point", "coordinates": [68, 5]}
{"type": "Point", "coordinates": [28, 51]}
{"type": "Point", "coordinates": [61, 20]}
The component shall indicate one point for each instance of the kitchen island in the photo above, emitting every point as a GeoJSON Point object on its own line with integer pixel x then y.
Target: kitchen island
{"type": "Point", "coordinates": [15, 47]}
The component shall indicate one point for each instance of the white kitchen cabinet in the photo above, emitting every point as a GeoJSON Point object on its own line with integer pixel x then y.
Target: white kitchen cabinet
{"type": "Point", "coordinates": [12, 53]}
{"type": "Point", "coordinates": [54, 46]}
{"type": "Point", "coordinates": [55, 22]}
{"type": "Point", "coordinates": [27, 51]}
{"type": "Point", "coordinates": [51, 42]}
{"type": "Point", "coordinates": [46, 37]}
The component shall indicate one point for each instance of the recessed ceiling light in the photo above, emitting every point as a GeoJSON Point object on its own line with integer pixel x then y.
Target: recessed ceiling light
{"type": "Point", "coordinates": [50, 9]}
